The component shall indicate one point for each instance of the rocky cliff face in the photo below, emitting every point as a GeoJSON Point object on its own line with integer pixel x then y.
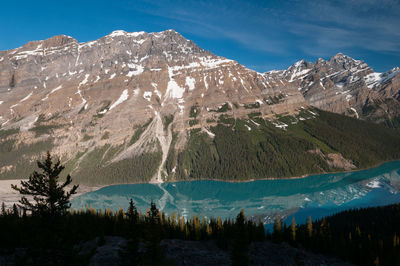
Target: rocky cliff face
{"type": "Point", "coordinates": [142, 91]}
{"type": "Point", "coordinates": [347, 86]}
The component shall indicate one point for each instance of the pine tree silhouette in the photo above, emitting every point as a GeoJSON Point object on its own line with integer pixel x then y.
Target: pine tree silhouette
{"type": "Point", "coordinates": [132, 213]}
{"type": "Point", "coordinates": [50, 197]}
{"type": "Point", "coordinates": [240, 244]}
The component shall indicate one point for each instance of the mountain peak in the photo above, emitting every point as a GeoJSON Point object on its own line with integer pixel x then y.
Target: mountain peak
{"type": "Point", "coordinates": [117, 33]}
{"type": "Point", "coordinates": [123, 80]}
{"type": "Point", "coordinates": [342, 61]}
{"type": "Point", "coordinates": [300, 62]}
{"type": "Point", "coordinates": [299, 65]}
{"type": "Point", "coordinates": [58, 40]}
{"type": "Point", "coordinates": [342, 57]}
{"type": "Point", "coordinates": [55, 41]}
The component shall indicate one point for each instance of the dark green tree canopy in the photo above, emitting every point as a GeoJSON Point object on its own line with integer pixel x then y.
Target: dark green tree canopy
{"type": "Point", "coordinates": [132, 212]}
{"type": "Point", "coordinates": [49, 195]}
{"type": "Point", "coordinates": [153, 214]}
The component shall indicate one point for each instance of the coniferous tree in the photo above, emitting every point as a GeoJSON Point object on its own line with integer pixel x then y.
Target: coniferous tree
{"type": "Point", "coordinates": [15, 210]}
{"type": "Point", "coordinates": [130, 256]}
{"type": "Point", "coordinates": [221, 239]}
{"type": "Point", "coordinates": [153, 214]}
{"type": "Point", "coordinates": [260, 230]}
{"type": "Point", "coordinates": [277, 227]}
{"type": "Point", "coordinates": [154, 254]}
{"type": "Point", "coordinates": [50, 197]}
{"type": "Point", "coordinates": [132, 213]}
{"type": "Point", "coordinates": [240, 245]}
{"type": "Point", "coordinates": [209, 230]}
{"type": "Point", "coordinates": [3, 209]}
{"type": "Point", "coordinates": [293, 229]}
{"type": "Point", "coordinates": [309, 227]}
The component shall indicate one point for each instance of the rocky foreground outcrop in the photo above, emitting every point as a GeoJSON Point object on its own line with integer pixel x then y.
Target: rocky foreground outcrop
{"type": "Point", "coordinates": [181, 252]}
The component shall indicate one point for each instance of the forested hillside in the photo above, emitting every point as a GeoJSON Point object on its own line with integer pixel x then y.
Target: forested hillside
{"type": "Point", "coordinates": [258, 148]}
{"type": "Point", "coordinates": [314, 141]}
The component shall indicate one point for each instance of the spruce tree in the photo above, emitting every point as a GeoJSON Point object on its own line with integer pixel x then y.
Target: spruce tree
{"type": "Point", "coordinates": [260, 230]}
{"type": "Point", "coordinates": [3, 209]}
{"type": "Point", "coordinates": [15, 211]}
{"type": "Point", "coordinates": [153, 214]}
{"type": "Point", "coordinates": [240, 244]}
{"type": "Point", "coordinates": [154, 254]}
{"type": "Point", "coordinates": [309, 227]}
{"type": "Point", "coordinates": [132, 213]}
{"type": "Point", "coordinates": [220, 234]}
{"type": "Point", "coordinates": [293, 229]}
{"type": "Point", "coordinates": [130, 255]}
{"type": "Point", "coordinates": [277, 228]}
{"type": "Point", "coordinates": [50, 197]}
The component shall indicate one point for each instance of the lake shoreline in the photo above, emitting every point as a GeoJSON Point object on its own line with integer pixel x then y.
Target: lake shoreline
{"type": "Point", "coordinates": [9, 196]}
{"type": "Point", "coordinates": [317, 194]}
{"type": "Point", "coordinates": [250, 180]}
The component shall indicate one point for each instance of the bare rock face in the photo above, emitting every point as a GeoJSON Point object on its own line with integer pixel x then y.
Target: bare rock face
{"type": "Point", "coordinates": [347, 86]}
{"type": "Point", "coordinates": [98, 94]}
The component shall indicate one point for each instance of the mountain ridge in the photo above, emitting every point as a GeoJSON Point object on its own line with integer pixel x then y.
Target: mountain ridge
{"type": "Point", "coordinates": [129, 95]}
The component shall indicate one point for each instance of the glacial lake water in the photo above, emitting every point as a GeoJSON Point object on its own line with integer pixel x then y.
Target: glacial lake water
{"type": "Point", "coordinates": [316, 195]}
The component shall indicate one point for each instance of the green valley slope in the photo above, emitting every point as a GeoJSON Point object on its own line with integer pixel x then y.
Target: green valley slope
{"type": "Point", "coordinates": [312, 142]}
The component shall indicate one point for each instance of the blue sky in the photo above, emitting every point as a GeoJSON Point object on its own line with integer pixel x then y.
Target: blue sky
{"type": "Point", "coordinates": [262, 35]}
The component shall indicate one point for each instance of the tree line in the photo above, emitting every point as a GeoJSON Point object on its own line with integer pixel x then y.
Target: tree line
{"type": "Point", "coordinates": [366, 236]}
{"type": "Point", "coordinates": [48, 229]}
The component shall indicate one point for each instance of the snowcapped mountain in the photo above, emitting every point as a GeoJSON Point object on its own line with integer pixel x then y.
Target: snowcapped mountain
{"type": "Point", "coordinates": [143, 92]}
{"type": "Point", "coordinates": [347, 86]}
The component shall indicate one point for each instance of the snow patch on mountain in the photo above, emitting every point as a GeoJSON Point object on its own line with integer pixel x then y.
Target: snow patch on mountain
{"type": "Point", "coordinates": [355, 112]}
{"type": "Point", "coordinates": [156, 91]}
{"type": "Point", "coordinates": [117, 33]}
{"type": "Point", "coordinates": [375, 78]}
{"type": "Point", "coordinates": [279, 124]}
{"type": "Point", "coordinates": [136, 92]}
{"type": "Point", "coordinates": [56, 89]}
{"type": "Point", "coordinates": [147, 95]}
{"type": "Point", "coordinates": [124, 96]}
{"type": "Point", "coordinates": [139, 70]}
{"type": "Point", "coordinates": [205, 82]}
{"type": "Point", "coordinates": [173, 89]}
{"type": "Point", "coordinates": [322, 85]}
{"type": "Point", "coordinates": [84, 81]}
{"type": "Point", "coordinates": [190, 82]}
{"type": "Point", "coordinates": [210, 63]}
{"type": "Point", "coordinates": [298, 73]}
{"type": "Point", "coordinates": [26, 98]}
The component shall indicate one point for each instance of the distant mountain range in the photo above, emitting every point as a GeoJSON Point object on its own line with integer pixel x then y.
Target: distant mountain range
{"type": "Point", "coordinates": [140, 106]}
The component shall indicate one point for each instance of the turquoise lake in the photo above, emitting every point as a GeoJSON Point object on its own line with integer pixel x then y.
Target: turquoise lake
{"type": "Point", "coordinates": [316, 195]}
